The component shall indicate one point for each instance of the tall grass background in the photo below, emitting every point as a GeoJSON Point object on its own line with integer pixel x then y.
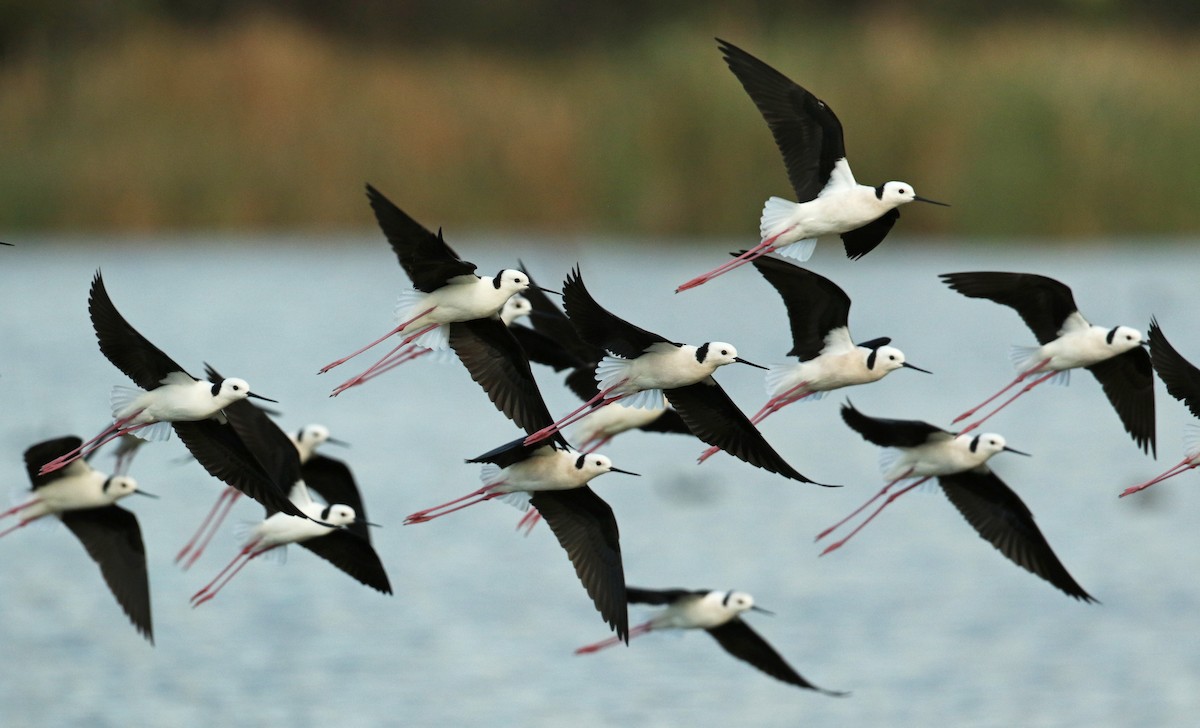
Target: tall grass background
{"type": "Point", "coordinates": [1037, 128]}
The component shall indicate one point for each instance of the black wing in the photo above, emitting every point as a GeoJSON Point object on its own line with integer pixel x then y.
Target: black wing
{"type": "Point", "coordinates": [548, 320]}
{"type": "Point", "coordinates": [1043, 303]}
{"type": "Point", "coordinates": [249, 453]}
{"type": "Point", "coordinates": [890, 433]}
{"type": "Point", "coordinates": [43, 452]}
{"type": "Point", "coordinates": [122, 345]}
{"type": "Point", "coordinates": [815, 305]}
{"type": "Point", "coordinates": [1180, 376]}
{"type": "Point", "coordinates": [863, 240]}
{"type": "Point", "coordinates": [511, 453]}
{"type": "Point", "coordinates": [544, 350]}
{"type": "Point", "coordinates": [425, 257]}
{"type": "Point", "coordinates": [353, 555]}
{"type": "Point", "coordinates": [713, 418]}
{"type": "Point", "coordinates": [1128, 382]}
{"type": "Point", "coordinates": [332, 480]}
{"type": "Point", "coordinates": [584, 525]}
{"type": "Point", "coordinates": [1003, 520]}
{"type": "Point", "coordinates": [806, 130]}
{"type": "Point", "coordinates": [498, 364]}
{"type": "Point", "coordinates": [660, 596]}
{"type": "Point", "coordinates": [745, 644]}
{"type": "Point", "coordinates": [113, 539]}
{"type": "Point", "coordinates": [599, 327]}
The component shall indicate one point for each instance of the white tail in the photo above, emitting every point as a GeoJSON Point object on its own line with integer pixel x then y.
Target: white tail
{"type": "Point", "coordinates": [776, 214]}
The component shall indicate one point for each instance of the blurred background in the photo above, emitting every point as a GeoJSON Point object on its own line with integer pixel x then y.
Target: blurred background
{"type": "Point", "coordinates": [1072, 118]}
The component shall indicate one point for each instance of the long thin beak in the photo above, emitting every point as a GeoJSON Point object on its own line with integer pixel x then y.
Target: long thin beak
{"type": "Point", "coordinates": [918, 198]}
{"type": "Point", "coordinates": [139, 491]}
{"type": "Point", "coordinates": [335, 441]}
{"type": "Point", "coordinates": [626, 472]}
{"type": "Point", "coordinates": [368, 523]}
{"type": "Point", "coordinates": [740, 360]}
{"type": "Point", "coordinates": [547, 290]}
{"type": "Point", "coordinates": [259, 396]}
{"type": "Point", "coordinates": [906, 365]}
{"type": "Point", "coordinates": [1009, 449]}
{"type": "Point", "coordinates": [757, 608]}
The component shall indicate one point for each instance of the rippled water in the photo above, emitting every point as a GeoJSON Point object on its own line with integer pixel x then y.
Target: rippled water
{"type": "Point", "coordinates": [925, 623]}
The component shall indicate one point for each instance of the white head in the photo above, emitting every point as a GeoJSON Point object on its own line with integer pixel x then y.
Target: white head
{"type": "Point", "coordinates": [894, 194]}
{"type": "Point", "coordinates": [737, 602]}
{"type": "Point", "coordinates": [589, 465]}
{"type": "Point", "coordinates": [984, 445]}
{"type": "Point", "coordinates": [718, 353]}
{"type": "Point", "coordinates": [228, 391]}
{"type": "Point", "coordinates": [884, 359]}
{"type": "Point", "coordinates": [1123, 338]}
{"type": "Point", "coordinates": [311, 436]}
{"type": "Point", "coordinates": [119, 486]}
{"type": "Point", "coordinates": [510, 281]}
{"type": "Point", "coordinates": [337, 514]}
{"type": "Point", "coordinates": [514, 308]}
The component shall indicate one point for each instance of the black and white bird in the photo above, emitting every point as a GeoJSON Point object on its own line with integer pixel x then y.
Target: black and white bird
{"type": "Point", "coordinates": [85, 501]}
{"type": "Point", "coordinates": [552, 477]}
{"type": "Point", "coordinates": [719, 614]}
{"type": "Point", "coordinates": [445, 289]}
{"type": "Point", "coordinates": [818, 311]}
{"type": "Point", "coordinates": [1183, 383]}
{"type": "Point", "coordinates": [1067, 341]}
{"type": "Point", "coordinates": [829, 200]}
{"type": "Point", "coordinates": [202, 413]}
{"type": "Point", "coordinates": [336, 531]}
{"type": "Point", "coordinates": [306, 440]}
{"type": "Point", "coordinates": [641, 367]}
{"type": "Point", "coordinates": [959, 462]}
{"type": "Point", "coordinates": [554, 342]}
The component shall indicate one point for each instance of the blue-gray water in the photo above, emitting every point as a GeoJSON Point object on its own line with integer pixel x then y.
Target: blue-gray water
{"type": "Point", "coordinates": [924, 622]}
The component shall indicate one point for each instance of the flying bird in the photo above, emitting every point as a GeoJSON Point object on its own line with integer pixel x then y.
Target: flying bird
{"type": "Point", "coordinates": [1114, 355]}
{"type": "Point", "coordinates": [829, 200]}
{"type": "Point", "coordinates": [959, 462]}
{"type": "Point", "coordinates": [719, 614]}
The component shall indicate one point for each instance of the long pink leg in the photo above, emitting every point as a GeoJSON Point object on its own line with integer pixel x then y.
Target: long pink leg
{"type": "Point", "coordinates": [227, 498]}
{"type": "Point", "coordinates": [757, 251]}
{"type": "Point", "coordinates": [246, 553]}
{"type": "Point", "coordinates": [393, 332]}
{"type": "Point", "coordinates": [588, 649]}
{"type": "Point", "coordinates": [890, 498]}
{"type": "Point", "coordinates": [20, 524]}
{"type": "Point", "coordinates": [371, 370]}
{"type": "Point", "coordinates": [577, 414]}
{"type": "Point", "coordinates": [412, 352]}
{"type": "Point", "coordinates": [860, 509]}
{"type": "Point", "coordinates": [529, 520]}
{"type": "Point", "coordinates": [19, 507]}
{"type": "Point", "coordinates": [1020, 378]}
{"type": "Point", "coordinates": [1182, 467]}
{"type": "Point", "coordinates": [1007, 402]}
{"type": "Point", "coordinates": [483, 494]}
{"type": "Point", "coordinates": [109, 434]}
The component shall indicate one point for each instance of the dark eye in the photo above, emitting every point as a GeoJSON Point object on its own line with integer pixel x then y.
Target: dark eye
{"type": "Point", "coordinates": [724, 352]}
{"type": "Point", "coordinates": [891, 357]}
{"type": "Point", "coordinates": [236, 388]}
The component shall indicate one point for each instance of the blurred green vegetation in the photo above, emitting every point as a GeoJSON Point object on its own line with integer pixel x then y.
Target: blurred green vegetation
{"type": "Point", "coordinates": [156, 116]}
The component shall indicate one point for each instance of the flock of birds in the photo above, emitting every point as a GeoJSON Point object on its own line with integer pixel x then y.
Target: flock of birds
{"type": "Point", "coordinates": [628, 378]}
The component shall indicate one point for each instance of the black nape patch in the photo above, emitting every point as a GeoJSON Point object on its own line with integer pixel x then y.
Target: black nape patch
{"type": "Point", "coordinates": [1111, 335]}
{"type": "Point", "coordinates": [975, 443]}
{"type": "Point", "coordinates": [216, 387]}
{"type": "Point", "coordinates": [879, 192]}
{"type": "Point", "coordinates": [579, 461]}
{"type": "Point", "coordinates": [702, 353]}
{"type": "Point", "coordinates": [325, 513]}
{"type": "Point", "coordinates": [871, 359]}
{"type": "Point", "coordinates": [725, 601]}
{"type": "Point", "coordinates": [108, 482]}
{"type": "Point", "coordinates": [496, 280]}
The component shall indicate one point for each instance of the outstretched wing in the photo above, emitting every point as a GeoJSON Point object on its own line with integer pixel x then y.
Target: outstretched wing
{"type": "Point", "coordinates": [745, 644]}
{"type": "Point", "coordinates": [113, 539]}
{"type": "Point", "coordinates": [425, 257]}
{"type": "Point", "coordinates": [1043, 303]}
{"type": "Point", "coordinates": [122, 345]}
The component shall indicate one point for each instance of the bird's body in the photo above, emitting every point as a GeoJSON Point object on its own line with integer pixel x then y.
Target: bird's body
{"type": "Point", "coordinates": [829, 200]}
{"type": "Point", "coordinates": [167, 394]}
{"type": "Point", "coordinates": [1067, 341]}
{"type": "Point", "coordinates": [719, 614]}
{"type": "Point", "coordinates": [959, 462]}
{"type": "Point", "coordinates": [604, 423]}
{"type": "Point", "coordinates": [828, 359]}
{"type": "Point", "coordinates": [85, 500]}
{"type": "Point", "coordinates": [445, 290]}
